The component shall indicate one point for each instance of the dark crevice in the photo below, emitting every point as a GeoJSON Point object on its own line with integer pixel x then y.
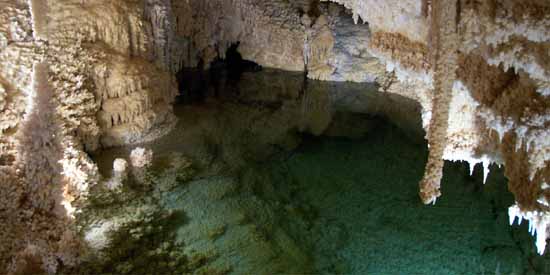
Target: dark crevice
{"type": "Point", "coordinates": [314, 10]}
{"type": "Point", "coordinates": [222, 76]}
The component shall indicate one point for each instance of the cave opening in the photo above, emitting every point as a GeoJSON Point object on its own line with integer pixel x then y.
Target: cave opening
{"type": "Point", "coordinates": [219, 78]}
{"type": "Point", "coordinates": [234, 63]}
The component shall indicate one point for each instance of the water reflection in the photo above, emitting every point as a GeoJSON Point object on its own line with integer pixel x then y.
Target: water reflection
{"type": "Point", "coordinates": [301, 177]}
{"type": "Point", "coordinates": [228, 122]}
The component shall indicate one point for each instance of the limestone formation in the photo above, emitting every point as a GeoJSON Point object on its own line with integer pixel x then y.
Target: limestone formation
{"type": "Point", "coordinates": [68, 46]}
{"type": "Point", "coordinates": [120, 174]}
{"type": "Point", "coordinates": [77, 76]}
{"type": "Point", "coordinates": [444, 64]}
{"type": "Point", "coordinates": [268, 32]}
{"type": "Point", "coordinates": [141, 157]}
{"type": "Point", "coordinates": [498, 110]}
{"type": "Point", "coordinates": [120, 165]}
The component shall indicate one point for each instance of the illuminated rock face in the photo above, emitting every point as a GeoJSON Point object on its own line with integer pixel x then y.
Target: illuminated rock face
{"type": "Point", "coordinates": [483, 84]}
{"type": "Point", "coordinates": [94, 71]}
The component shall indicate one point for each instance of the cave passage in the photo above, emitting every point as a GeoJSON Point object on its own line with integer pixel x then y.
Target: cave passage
{"type": "Point", "coordinates": [221, 75]}
{"type": "Point", "coordinates": [320, 178]}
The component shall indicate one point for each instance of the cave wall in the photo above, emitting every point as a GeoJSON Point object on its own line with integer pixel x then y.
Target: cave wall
{"type": "Point", "coordinates": [269, 32]}
{"type": "Point", "coordinates": [274, 34]}
{"type": "Point", "coordinates": [110, 84]}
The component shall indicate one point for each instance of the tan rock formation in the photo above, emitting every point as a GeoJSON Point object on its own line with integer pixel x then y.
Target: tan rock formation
{"type": "Point", "coordinates": [141, 157]}
{"type": "Point", "coordinates": [136, 100]}
{"type": "Point", "coordinates": [70, 47]}
{"type": "Point", "coordinates": [269, 32]}
{"type": "Point", "coordinates": [444, 64]}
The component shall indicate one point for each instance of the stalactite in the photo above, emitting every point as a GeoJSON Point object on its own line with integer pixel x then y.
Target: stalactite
{"type": "Point", "coordinates": [39, 10]}
{"type": "Point", "coordinates": [445, 45]}
{"type": "Point", "coordinates": [320, 44]}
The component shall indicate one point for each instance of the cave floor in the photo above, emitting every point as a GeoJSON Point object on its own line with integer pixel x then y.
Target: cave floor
{"type": "Point", "coordinates": [273, 196]}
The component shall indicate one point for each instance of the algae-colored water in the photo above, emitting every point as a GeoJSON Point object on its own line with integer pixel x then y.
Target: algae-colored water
{"type": "Point", "coordinates": [364, 194]}
{"type": "Point", "coordinates": [305, 177]}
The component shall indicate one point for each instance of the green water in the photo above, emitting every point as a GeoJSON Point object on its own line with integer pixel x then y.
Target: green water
{"type": "Point", "coordinates": [311, 178]}
{"type": "Point", "coordinates": [365, 194]}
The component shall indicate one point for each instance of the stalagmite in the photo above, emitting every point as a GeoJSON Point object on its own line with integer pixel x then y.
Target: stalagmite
{"type": "Point", "coordinates": [141, 157]}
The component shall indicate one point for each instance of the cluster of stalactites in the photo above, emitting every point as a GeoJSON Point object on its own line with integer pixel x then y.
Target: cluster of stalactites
{"type": "Point", "coordinates": [539, 224]}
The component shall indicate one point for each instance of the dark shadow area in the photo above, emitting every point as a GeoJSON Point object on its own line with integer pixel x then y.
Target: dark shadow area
{"type": "Point", "coordinates": [218, 79]}
{"type": "Point", "coordinates": [234, 63]}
